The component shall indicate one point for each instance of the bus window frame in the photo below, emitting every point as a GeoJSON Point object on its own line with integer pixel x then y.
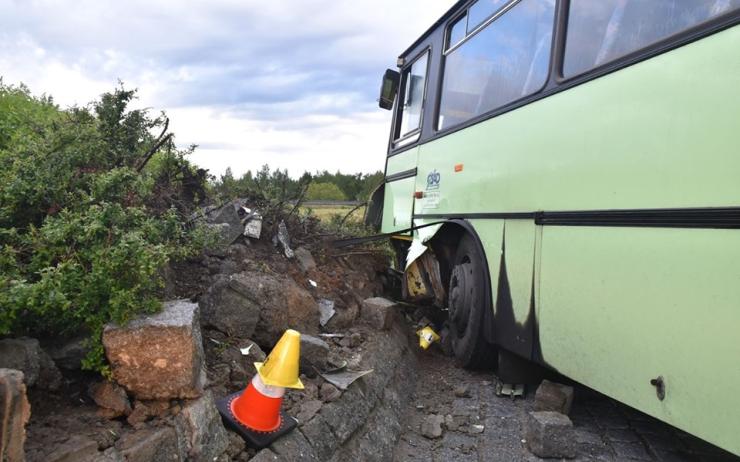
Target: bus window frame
{"type": "Point", "coordinates": [557, 82]}
{"type": "Point", "coordinates": [495, 111]}
{"type": "Point", "coordinates": [403, 141]}
{"type": "Point", "coordinates": [686, 36]}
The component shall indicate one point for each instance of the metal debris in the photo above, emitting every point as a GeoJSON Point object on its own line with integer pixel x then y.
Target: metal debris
{"type": "Point", "coordinates": [507, 389]}
{"type": "Point", "coordinates": [326, 311]}
{"type": "Point", "coordinates": [344, 379]}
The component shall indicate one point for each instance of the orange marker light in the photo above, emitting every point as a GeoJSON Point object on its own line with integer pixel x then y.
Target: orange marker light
{"type": "Point", "coordinates": [419, 194]}
{"type": "Point", "coordinates": [458, 168]}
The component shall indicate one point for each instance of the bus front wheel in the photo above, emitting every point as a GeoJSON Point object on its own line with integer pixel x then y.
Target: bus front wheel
{"type": "Point", "coordinates": [467, 305]}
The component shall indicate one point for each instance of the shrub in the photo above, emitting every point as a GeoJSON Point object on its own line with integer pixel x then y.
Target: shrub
{"type": "Point", "coordinates": [92, 206]}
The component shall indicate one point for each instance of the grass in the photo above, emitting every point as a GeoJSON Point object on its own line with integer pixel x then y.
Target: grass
{"type": "Point", "coordinates": [325, 213]}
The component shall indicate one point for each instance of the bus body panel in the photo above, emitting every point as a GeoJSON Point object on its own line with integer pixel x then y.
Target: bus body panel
{"type": "Point", "coordinates": [618, 308]}
{"type": "Point", "coordinates": [663, 133]}
{"type": "Point", "coordinates": [398, 201]}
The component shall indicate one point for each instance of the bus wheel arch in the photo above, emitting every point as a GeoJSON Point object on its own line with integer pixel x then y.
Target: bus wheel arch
{"type": "Point", "coordinates": [464, 268]}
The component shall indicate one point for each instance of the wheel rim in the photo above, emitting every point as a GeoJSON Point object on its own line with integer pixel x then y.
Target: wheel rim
{"type": "Point", "coordinates": [460, 300]}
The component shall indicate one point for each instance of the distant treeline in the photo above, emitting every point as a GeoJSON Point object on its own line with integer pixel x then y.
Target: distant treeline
{"type": "Point", "coordinates": [310, 186]}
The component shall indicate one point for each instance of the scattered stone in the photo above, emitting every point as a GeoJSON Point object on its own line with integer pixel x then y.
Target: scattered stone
{"type": "Point", "coordinates": [462, 391]}
{"type": "Point", "coordinates": [451, 423]}
{"type": "Point", "coordinates": [308, 410]}
{"type": "Point", "coordinates": [159, 356]}
{"type": "Point", "coordinates": [550, 435]}
{"type": "Point", "coordinates": [378, 312]}
{"type": "Point", "coordinates": [326, 311]}
{"type": "Point", "coordinates": [476, 429]}
{"type": "Point", "coordinates": [75, 449]}
{"type": "Point", "coordinates": [305, 259]}
{"type": "Point", "coordinates": [329, 392]}
{"type": "Point", "coordinates": [431, 427]}
{"type": "Point", "coordinates": [110, 455]}
{"type": "Point", "coordinates": [153, 445]}
{"type": "Point", "coordinates": [355, 340]}
{"type": "Point", "coordinates": [227, 221]}
{"type": "Point", "coordinates": [111, 398]}
{"type": "Point", "coordinates": [25, 354]}
{"type": "Point", "coordinates": [264, 455]}
{"type": "Point", "coordinates": [68, 355]}
{"type": "Point", "coordinates": [236, 445]}
{"type": "Point", "coordinates": [228, 307]}
{"type": "Point", "coordinates": [554, 397]}
{"type": "Point", "coordinates": [294, 446]}
{"type": "Point", "coordinates": [14, 414]}
{"type": "Point", "coordinates": [283, 238]}
{"type": "Point", "coordinates": [345, 342]}
{"type": "Point", "coordinates": [200, 428]}
{"type": "Point", "coordinates": [314, 354]}
{"type": "Point", "coordinates": [143, 411]}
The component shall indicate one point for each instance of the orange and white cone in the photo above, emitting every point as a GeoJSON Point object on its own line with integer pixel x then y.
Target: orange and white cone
{"type": "Point", "coordinates": [255, 413]}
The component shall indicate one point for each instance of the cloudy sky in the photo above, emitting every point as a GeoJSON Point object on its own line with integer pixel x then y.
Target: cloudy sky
{"type": "Point", "coordinates": [292, 83]}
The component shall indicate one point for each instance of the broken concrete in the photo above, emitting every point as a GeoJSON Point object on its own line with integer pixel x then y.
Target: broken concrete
{"type": "Point", "coordinates": [551, 396]}
{"type": "Point", "coordinates": [14, 414]}
{"type": "Point", "coordinates": [379, 312]}
{"type": "Point", "coordinates": [111, 398]}
{"type": "Point", "coordinates": [200, 430]}
{"type": "Point", "coordinates": [159, 356]}
{"type": "Point", "coordinates": [25, 354]}
{"type": "Point", "coordinates": [550, 435]}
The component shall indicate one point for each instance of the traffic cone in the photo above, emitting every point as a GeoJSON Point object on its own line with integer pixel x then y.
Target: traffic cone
{"type": "Point", "coordinates": [255, 413]}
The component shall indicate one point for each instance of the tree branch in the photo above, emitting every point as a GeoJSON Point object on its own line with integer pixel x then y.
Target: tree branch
{"type": "Point", "coordinates": [161, 140]}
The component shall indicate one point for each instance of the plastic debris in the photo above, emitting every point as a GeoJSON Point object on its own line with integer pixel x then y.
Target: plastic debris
{"type": "Point", "coordinates": [427, 336]}
{"type": "Point", "coordinates": [332, 335]}
{"type": "Point", "coordinates": [326, 311]}
{"type": "Point", "coordinates": [507, 389]}
{"type": "Point", "coordinates": [245, 351]}
{"type": "Point", "coordinates": [344, 379]}
{"type": "Point", "coordinates": [313, 283]}
{"type": "Point", "coordinates": [283, 238]}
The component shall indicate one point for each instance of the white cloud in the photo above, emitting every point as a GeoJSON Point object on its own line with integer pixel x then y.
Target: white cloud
{"type": "Point", "coordinates": [289, 83]}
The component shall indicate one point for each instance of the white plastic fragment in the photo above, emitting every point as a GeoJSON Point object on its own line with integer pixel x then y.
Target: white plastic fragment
{"type": "Point", "coordinates": [313, 283]}
{"type": "Point", "coordinates": [245, 351]}
{"type": "Point", "coordinates": [344, 379]}
{"type": "Point", "coordinates": [326, 311]}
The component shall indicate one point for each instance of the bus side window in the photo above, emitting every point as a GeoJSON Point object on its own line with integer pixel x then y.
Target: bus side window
{"type": "Point", "coordinates": [414, 85]}
{"type": "Point", "coordinates": [603, 31]}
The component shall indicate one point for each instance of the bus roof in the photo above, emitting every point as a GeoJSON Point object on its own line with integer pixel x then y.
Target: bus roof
{"type": "Point", "coordinates": [433, 27]}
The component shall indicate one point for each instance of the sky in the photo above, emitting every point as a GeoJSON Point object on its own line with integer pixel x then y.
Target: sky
{"type": "Point", "coordinates": [289, 83]}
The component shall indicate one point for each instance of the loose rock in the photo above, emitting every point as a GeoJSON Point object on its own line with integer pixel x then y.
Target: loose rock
{"type": "Point", "coordinates": [25, 354]}
{"type": "Point", "coordinates": [431, 427]}
{"type": "Point", "coordinates": [153, 445]}
{"type": "Point", "coordinates": [550, 435]}
{"type": "Point", "coordinates": [14, 414]}
{"type": "Point", "coordinates": [111, 398]}
{"type": "Point", "coordinates": [228, 307]}
{"type": "Point", "coordinates": [199, 427]}
{"type": "Point", "coordinates": [462, 391]}
{"type": "Point", "coordinates": [76, 449]}
{"type": "Point", "coordinates": [554, 397]}
{"type": "Point", "coordinates": [378, 312]}
{"type": "Point", "coordinates": [308, 410]}
{"type": "Point", "coordinates": [329, 392]}
{"type": "Point", "coordinates": [314, 354]}
{"type": "Point", "coordinates": [305, 259]}
{"type": "Point", "coordinates": [160, 356]}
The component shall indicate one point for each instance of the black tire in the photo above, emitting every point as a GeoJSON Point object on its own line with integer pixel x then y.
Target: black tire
{"type": "Point", "coordinates": [467, 302]}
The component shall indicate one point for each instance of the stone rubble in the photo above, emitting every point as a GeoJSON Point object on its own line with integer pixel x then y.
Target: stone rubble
{"type": "Point", "coordinates": [379, 312]}
{"type": "Point", "coordinates": [111, 398]}
{"type": "Point", "coordinates": [25, 354]}
{"type": "Point", "coordinates": [431, 427]}
{"type": "Point", "coordinates": [14, 415]}
{"type": "Point", "coordinates": [159, 356]}
{"type": "Point", "coordinates": [550, 435]}
{"type": "Point", "coordinates": [305, 259]}
{"type": "Point", "coordinates": [554, 397]}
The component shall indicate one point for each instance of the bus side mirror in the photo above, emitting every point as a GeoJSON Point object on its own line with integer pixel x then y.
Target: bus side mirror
{"type": "Point", "coordinates": [389, 89]}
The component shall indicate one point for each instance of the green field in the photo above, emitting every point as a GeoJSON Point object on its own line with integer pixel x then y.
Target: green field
{"type": "Point", "coordinates": [325, 213]}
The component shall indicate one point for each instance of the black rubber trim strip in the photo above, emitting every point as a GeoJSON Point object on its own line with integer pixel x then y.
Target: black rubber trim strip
{"type": "Point", "coordinates": [401, 175]}
{"type": "Point", "coordinates": [340, 243]}
{"type": "Point", "coordinates": [710, 217]}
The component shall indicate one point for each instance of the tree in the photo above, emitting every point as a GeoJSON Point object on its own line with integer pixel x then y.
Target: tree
{"type": "Point", "coordinates": [324, 192]}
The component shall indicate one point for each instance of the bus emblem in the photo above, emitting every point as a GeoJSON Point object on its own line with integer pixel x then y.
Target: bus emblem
{"type": "Point", "coordinates": [433, 180]}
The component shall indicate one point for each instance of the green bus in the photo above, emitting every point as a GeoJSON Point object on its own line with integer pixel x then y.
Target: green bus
{"type": "Point", "coordinates": [563, 178]}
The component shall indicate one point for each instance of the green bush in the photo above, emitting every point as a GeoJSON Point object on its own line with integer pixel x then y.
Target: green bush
{"type": "Point", "coordinates": [92, 207]}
